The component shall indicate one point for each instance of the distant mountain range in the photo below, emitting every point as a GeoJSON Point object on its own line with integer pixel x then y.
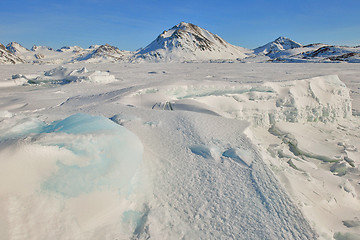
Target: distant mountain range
{"type": "Point", "coordinates": [184, 42]}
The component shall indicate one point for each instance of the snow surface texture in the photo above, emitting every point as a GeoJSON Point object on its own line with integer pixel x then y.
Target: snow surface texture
{"type": "Point", "coordinates": [323, 99]}
{"type": "Point", "coordinates": [226, 153]}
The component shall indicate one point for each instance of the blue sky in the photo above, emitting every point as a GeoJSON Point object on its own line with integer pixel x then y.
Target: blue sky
{"type": "Point", "coordinates": [130, 25]}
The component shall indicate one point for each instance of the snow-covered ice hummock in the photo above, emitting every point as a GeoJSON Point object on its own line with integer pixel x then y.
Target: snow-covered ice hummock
{"type": "Point", "coordinates": [80, 168]}
{"type": "Point", "coordinates": [319, 99]}
{"type": "Point", "coordinates": [62, 75]}
{"type": "Point", "coordinates": [304, 129]}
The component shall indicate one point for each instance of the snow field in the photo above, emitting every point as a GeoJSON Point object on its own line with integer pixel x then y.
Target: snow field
{"type": "Point", "coordinates": [210, 169]}
{"type": "Point", "coordinates": [312, 118]}
{"type": "Point", "coordinates": [200, 187]}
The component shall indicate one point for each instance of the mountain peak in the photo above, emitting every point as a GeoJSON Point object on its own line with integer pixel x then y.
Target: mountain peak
{"type": "Point", "coordinates": [13, 44]}
{"type": "Point", "coordinates": [16, 48]}
{"type": "Point", "coordinates": [188, 42]}
{"type": "Point", "coordinates": [104, 52]}
{"type": "Point", "coordinates": [188, 27]}
{"type": "Point", "coordinates": [107, 48]}
{"type": "Point", "coordinates": [182, 25]}
{"type": "Point", "coordinates": [279, 44]}
{"type": "Point", "coordinates": [282, 38]}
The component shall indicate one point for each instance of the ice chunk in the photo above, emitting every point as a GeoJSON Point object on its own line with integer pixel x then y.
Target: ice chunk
{"type": "Point", "coordinates": [100, 77]}
{"type": "Point", "coordinates": [114, 154]}
{"type": "Point", "coordinates": [103, 154]}
{"type": "Point", "coordinates": [62, 75]}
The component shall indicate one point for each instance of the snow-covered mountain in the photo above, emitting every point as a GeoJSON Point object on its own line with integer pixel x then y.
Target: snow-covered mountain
{"type": "Point", "coordinates": [40, 54]}
{"type": "Point", "coordinates": [67, 54]}
{"type": "Point", "coordinates": [188, 42]}
{"type": "Point", "coordinates": [278, 45]}
{"type": "Point", "coordinates": [16, 48]}
{"type": "Point", "coordinates": [7, 57]}
{"type": "Point", "coordinates": [286, 50]}
{"type": "Point", "coordinates": [104, 53]}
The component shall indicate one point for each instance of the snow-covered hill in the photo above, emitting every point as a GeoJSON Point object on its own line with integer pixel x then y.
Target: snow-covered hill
{"type": "Point", "coordinates": [286, 50]}
{"type": "Point", "coordinates": [43, 54]}
{"type": "Point", "coordinates": [188, 42]}
{"type": "Point", "coordinates": [334, 53]}
{"type": "Point", "coordinates": [318, 53]}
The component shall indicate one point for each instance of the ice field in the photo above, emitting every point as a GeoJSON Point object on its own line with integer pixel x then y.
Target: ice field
{"type": "Point", "coordinates": [180, 151]}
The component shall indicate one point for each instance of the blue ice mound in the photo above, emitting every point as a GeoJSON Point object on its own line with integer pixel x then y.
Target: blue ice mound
{"type": "Point", "coordinates": [112, 155]}
{"type": "Point", "coordinates": [99, 154]}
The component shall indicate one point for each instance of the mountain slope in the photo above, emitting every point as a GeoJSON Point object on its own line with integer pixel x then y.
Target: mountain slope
{"type": "Point", "coordinates": [7, 57]}
{"type": "Point", "coordinates": [188, 42]}
{"type": "Point", "coordinates": [16, 48]}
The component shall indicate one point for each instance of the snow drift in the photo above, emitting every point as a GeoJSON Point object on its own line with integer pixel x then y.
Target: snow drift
{"type": "Point", "coordinates": [220, 145]}
{"type": "Point", "coordinates": [324, 99]}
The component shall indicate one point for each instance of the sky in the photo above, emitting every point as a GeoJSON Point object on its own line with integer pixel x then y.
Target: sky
{"type": "Point", "coordinates": [130, 25]}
